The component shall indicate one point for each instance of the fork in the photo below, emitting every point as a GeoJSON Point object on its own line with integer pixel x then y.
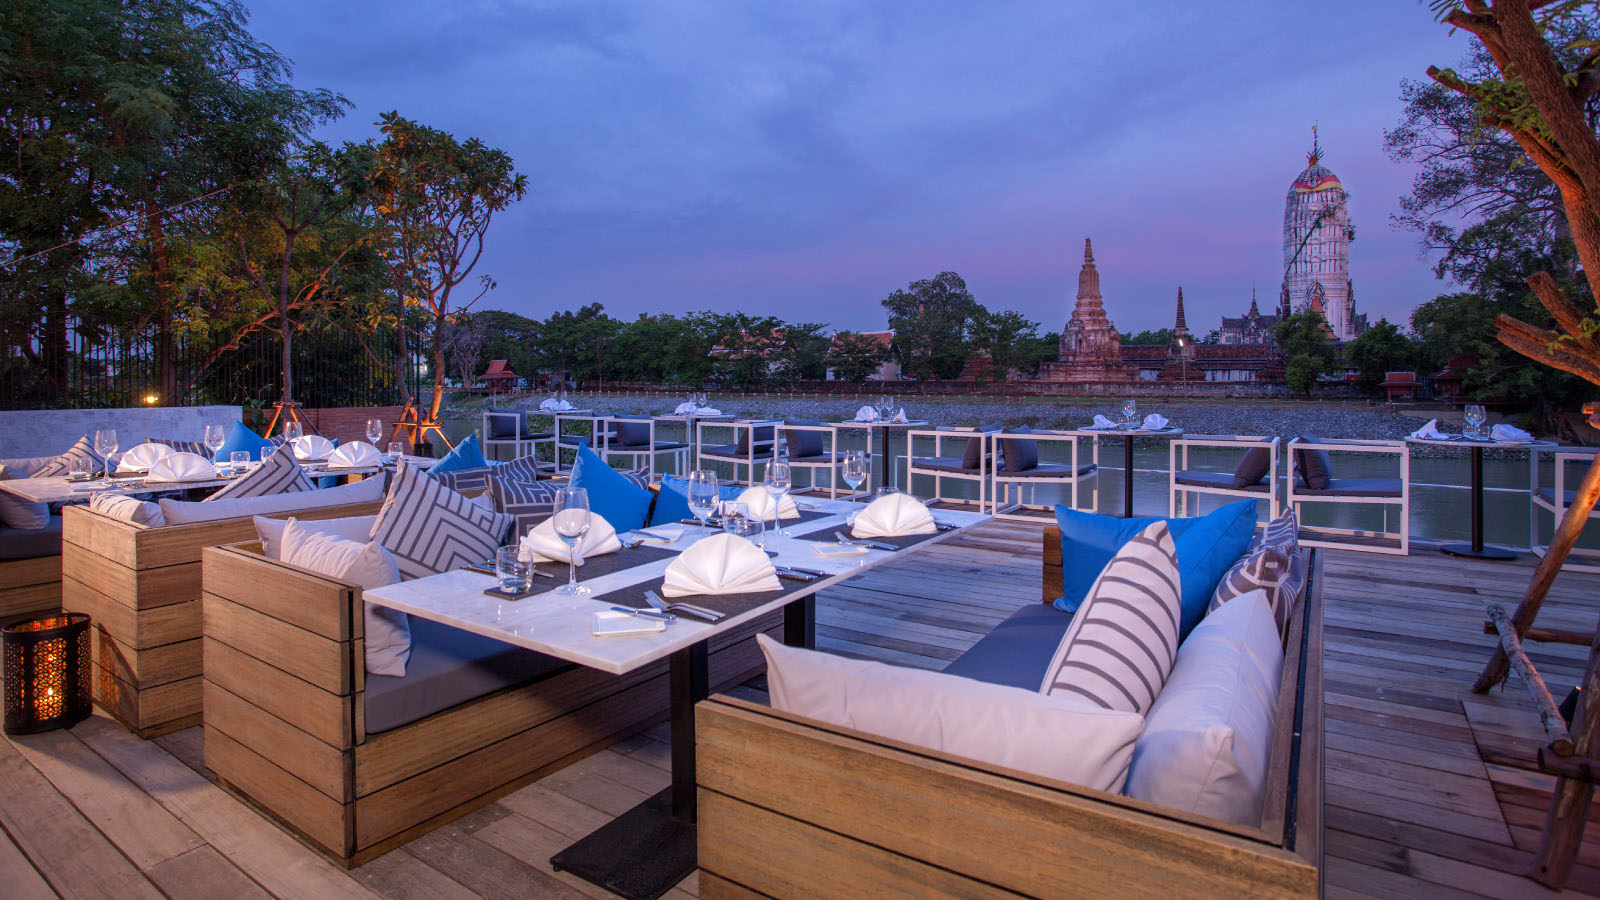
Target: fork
{"type": "Point", "coordinates": [843, 539]}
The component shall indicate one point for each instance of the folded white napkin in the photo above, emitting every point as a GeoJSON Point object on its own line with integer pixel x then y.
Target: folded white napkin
{"type": "Point", "coordinates": [900, 416]}
{"type": "Point", "coordinates": [666, 534]}
{"type": "Point", "coordinates": [720, 564]}
{"type": "Point", "coordinates": [552, 403]}
{"type": "Point", "coordinates": [866, 414]}
{"type": "Point", "coordinates": [563, 405]}
{"type": "Point", "coordinates": [684, 408]}
{"type": "Point", "coordinates": [1430, 431]}
{"type": "Point", "coordinates": [178, 466]}
{"type": "Point", "coordinates": [707, 411]}
{"type": "Point", "coordinates": [896, 515]}
{"type": "Point", "coordinates": [312, 446]}
{"type": "Point", "coordinates": [1103, 422]}
{"type": "Point", "coordinates": [140, 457]}
{"type": "Point", "coordinates": [1510, 433]}
{"type": "Point", "coordinates": [542, 544]}
{"type": "Point", "coordinates": [759, 503]}
{"type": "Point", "coordinates": [354, 455]}
{"type": "Point", "coordinates": [1155, 421]}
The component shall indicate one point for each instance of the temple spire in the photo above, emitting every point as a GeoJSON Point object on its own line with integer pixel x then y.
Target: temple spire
{"type": "Point", "coordinates": [1088, 279]}
{"type": "Point", "coordinates": [1316, 149]}
{"type": "Point", "coordinates": [1254, 310]}
{"type": "Point", "coordinates": [1181, 325]}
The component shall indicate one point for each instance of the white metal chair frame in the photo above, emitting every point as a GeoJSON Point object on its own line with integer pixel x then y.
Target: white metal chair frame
{"type": "Point", "coordinates": [986, 461]}
{"type": "Point", "coordinates": [594, 433]}
{"type": "Point", "coordinates": [1557, 504]}
{"type": "Point", "coordinates": [1297, 495]}
{"type": "Point", "coordinates": [1003, 480]}
{"type": "Point", "coordinates": [518, 443]}
{"type": "Point", "coordinates": [1179, 462]}
{"type": "Point", "coordinates": [607, 449]}
{"type": "Point", "coordinates": [749, 459]}
{"type": "Point", "coordinates": [833, 463]}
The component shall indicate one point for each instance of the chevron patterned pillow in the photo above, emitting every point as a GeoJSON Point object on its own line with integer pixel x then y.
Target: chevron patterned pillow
{"type": "Point", "coordinates": [1284, 531]}
{"type": "Point", "coordinates": [525, 468]}
{"type": "Point", "coordinates": [196, 447]}
{"type": "Point", "coordinates": [1123, 640]}
{"type": "Point", "coordinates": [61, 465]}
{"type": "Point", "coordinates": [280, 474]}
{"type": "Point", "coordinates": [529, 502]}
{"type": "Point", "coordinates": [431, 529]}
{"type": "Point", "coordinates": [464, 480]}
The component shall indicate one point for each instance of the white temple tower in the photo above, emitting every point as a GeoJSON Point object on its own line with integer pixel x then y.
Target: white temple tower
{"type": "Point", "coordinates": [1316, 248]}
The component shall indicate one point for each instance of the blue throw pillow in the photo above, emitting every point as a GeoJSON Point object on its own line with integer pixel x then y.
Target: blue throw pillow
{"type": "Point", "coordinates": [329, 481]}
{"type": "Point", "coordinates": [1089, 540]}
{"type": "Point", "coordinates": [242, 438]}
{"type": "Point", "coordinates": [465, 455]}
{"type": "Point", "coordinates": [611, 496]}
{"type": "Point", "coordinates": [672, 504]}
{"type": "Point", "coordinates": [1206, 552]}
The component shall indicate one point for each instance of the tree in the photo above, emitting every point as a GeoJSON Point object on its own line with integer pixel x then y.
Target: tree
{"type": "Point", "coordinates": [1304, 339]}
{"type": "Point", "coordinates": [465, 338]}
{"type": "Point", "coordinates": [510, 337]}
{"type": "Point", "coordinates": [808, 346]}
{"type": "Point", "coordinates": [1009, 339]}
{"type": "Point", "coordinates": [1381, 349]}
{"type": "Point", "coordinates": [932, 321]}
{"type": "Point", "coordinates": [1161, 337]}
{"type": "Point", "coordinates": [569, 341]}
{"type": "Point", "coordinates": [750, 349]}
{"type": "Point", "coordinates": [437, 197]}
{"type": "Point", "coordinates": [856, 357]}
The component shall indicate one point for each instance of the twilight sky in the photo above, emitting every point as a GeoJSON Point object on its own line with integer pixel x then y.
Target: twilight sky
{"type": "Point", "coordinates": [806, 159]}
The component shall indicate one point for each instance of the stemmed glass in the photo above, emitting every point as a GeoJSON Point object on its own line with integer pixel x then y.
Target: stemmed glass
{"type": "Point", "coordinates": [1130, 412]}
{"type": "Point", "coordinates": [856, 469]}
{"type": "Point", "coordinates": [213, 439]}
{"type": "Point", "coordinates": [105, 444]}
{"type": "Point", "coordinates": [702, 495]}
{"type": "Point", "coordinates": [374, 431]}
{"type": "Point", "coordinates": [571, 523]}
{"type": "Point", "coordinates": [1475, 417]}
{"type": "Point", "coordinates": [777, 484]}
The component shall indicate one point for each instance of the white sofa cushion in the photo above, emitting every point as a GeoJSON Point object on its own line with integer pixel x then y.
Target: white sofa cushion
{"type": "Point", "coordinates": [181, 512]}
{"type": "Point", "coordinates": [1120, 646]}
{"type": "Point", "coordinates": [20, 512]}
{"type": "Point", "coordinates": [354, 528]}
{"type": "Point", "coordinates": [128, 509]}
{"type": "Point", "coordinates": [1064, 738]}
{"type": "Point", "coordinates": [1206, 739]}
{"type": "Point", "coordinates": [366, 563]}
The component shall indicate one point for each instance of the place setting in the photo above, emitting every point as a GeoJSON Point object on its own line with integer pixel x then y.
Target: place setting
{"type": "Point", "coordinates": [1131, 423]}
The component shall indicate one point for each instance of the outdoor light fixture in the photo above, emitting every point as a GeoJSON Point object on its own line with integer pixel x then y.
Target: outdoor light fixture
{"type": "Point", "coordinates": [46, 673]}
{"type": "Point", "coordinates": [150, 399]}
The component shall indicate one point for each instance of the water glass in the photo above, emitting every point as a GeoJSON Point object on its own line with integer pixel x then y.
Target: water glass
{"type": "Point", "coordinates": [397, 449]}
{"type": "Point", "coordinates": [571, 519]}
{"type": "Point", "coordinates": [374, 431]}
{"type": "Point", "coordinates": [736, 519]}
{"type": "Point", "coordinates": [702, 495]}
{"type": "Point", "coordinates": [514, 573]}
{"type": "Point", "coordinates": [213, 439]}
{"type": "Point", "coordinates": [292, 431]}
{"type": "Point", "coordinates": [777, 484]}
{"type": "Point", "coordinates": [240, 460]}
{"type": "Point", "coordinates": [105, 444]}
{"type": "Point", "coordinates": [267, 451]}
{"type": "Point", "coordinates": [1130, 412]}
{"type": "Point", "coordinates": [80, 468]}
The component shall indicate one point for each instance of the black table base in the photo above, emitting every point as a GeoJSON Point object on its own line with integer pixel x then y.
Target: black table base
{"type": "Point", "coordinates": [1477, 549]}
{"type": "Point", "coordinates": [1487, 551]}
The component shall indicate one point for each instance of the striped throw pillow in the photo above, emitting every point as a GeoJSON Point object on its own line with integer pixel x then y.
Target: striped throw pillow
{"type": "Point", "coordinates": [195, 447]}
{"type": "Point", "coordinates": [431, 529]}
{"type": "Point", "coordinates": [1121, 644]}
{"type": "Point", "coordinates": [529, 502]}
{"type": "Point", "coordinates": [524, 468]}
{"type": "Point", "coordinates": [61, 465]}
{"type": "Point", "coordinates": [1277, 571]}
{"type": "Point", "coordinates": [464, 480]}
{"type": "Point", "coordinates": [280, 474]}
{"type": "Point", "coordinates": [1284, 531]}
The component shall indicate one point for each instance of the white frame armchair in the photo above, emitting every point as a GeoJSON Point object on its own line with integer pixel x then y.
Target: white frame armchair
{"type": "Point", "coordinates": [1073, 473]}
{"type": "Point", "coordinates": [609, 448]}
{"type": "Point", "coordinates": [1556, 503]}
{"type": "Point", "coordinates": [1298, 494]}
{"type": "Point", "coordinates": [757, 452]}
{"type": "Point", "coordinates": [939, 468]}
{"type": "Point", "coordinates": [595, 437]}
{"type": "Point", "coordinates": [1178, 453]}
{"type": "Point", "coordinates": [524, 438]}
{"type": "Point", "coordinates": [830, 459]}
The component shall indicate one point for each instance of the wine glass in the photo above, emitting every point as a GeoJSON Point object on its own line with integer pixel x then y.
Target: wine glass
{"type": "Point", "coordinates": [374, 431]}
{"type": "Point", "coordinates": [213, 439]}
{"type": "Point", "coordinates": [572, 523]}
{"type": "Point", "coordinates": [1130, 411]}
{"type": "Point", "coordinates": [856, 469]}
{"type": "Point", "coordinates": [702, 495]}
{"type": "Point", "coordinates": [105, 444]}
{"type": "Point", "coordinates": [1474, 417]}
{"type": "Point", "coordinates": [777, 484]}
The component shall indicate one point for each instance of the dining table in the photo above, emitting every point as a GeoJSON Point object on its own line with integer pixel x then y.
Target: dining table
{"type": "Point", "coordinates": [62, 489]}
{"type": "Point", "coordinates": [1128, 434]}
{"type": "Point", "coordinates": [1476, 548]}
{"type": "Point", "coordinates": [883, 429]}
{"type": "Point", "coordinates": [647, 850]}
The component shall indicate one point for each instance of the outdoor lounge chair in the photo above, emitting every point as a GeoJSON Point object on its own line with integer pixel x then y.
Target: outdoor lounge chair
{"type": "Point", "coordinates": [1555, 500]}
{"type": "Point", "coordinates": [579, 428]}
{"type": "Point", "coordinates": [964, 454]}
{"type": "Point", "coordinates": [510, 427]}
{"type": "Point", "coordinates": [635, 438]}
{"type": "Point", "coordinates": [754, 443]}
{"type": "Point", "coordinates": [814, 447]}
{"type": "Point", "coordinates": [1019, 467]}
{"type": "Point", "coordinates": [1186, 482]}
{"type": "Point", "coordinates": [1383, 492]}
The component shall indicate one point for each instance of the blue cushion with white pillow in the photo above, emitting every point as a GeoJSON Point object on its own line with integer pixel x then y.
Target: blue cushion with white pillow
{"type": "Point", "coordinates": [465, 455]}
{"type": "Point", "coordinates": [672, 503]}
{"type": "Point", "coordinates": [613, 496]}
{"type": "Point", "coordinates": [242, 438]}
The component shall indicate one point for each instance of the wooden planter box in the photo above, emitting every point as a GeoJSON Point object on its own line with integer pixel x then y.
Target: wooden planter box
{"type": "Point", "coordinates": [141, 586]}
{"type": "Point", "coordinates": [29, 586]}
{"type": "Point", "coordinates": [791, 807]}
{"type": "Point", "coordinates": [285, 714]}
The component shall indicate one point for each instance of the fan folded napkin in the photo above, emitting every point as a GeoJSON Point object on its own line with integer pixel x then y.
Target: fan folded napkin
{"type": "Point", "coordinates": [140, 457]}
{"type": "Point", "coordinates": [312, 446]}
{"type": "Point", "coordinates": [896, 515]}
{"type": "Point", "coordinates": [1509, 433]}
{"type": "Point", "coordinates": [1155, 422]}
{"type": "Point", "coordinates": [354, 455]}
{"type": "Point", "coordinates": [720, 564]}
{"type": "Point", "coordinates": [553, 403]}
{"type": "Point", "coordinates": [707, 411]}
{"type": "Point", "coordinates": [177, 466]}
{"type": "Point", "coordinates": [759, 504]}
{"type": "Point", "coordinates": [1430, 431]}
{"type": "Point", "coordinates": [1103, 422]}
{"type": "Point", "coordinates": [542, 544]}
{"type": "Point", "coordinates": [684, 408]}
{"type": "Point", "coordinates": [665, 534]}
{"type": "Point", "coordinates": [900, 417]}
{"type": "Point", "coordinates": [866, 414]}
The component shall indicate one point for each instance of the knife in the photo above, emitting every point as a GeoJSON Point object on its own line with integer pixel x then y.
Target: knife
{"type": "Point", "coordinates": [793, 574]}
{"type": "Point", "coordinates": [860, 542]}
{"type": "Point", "coordinates": [646, 613]}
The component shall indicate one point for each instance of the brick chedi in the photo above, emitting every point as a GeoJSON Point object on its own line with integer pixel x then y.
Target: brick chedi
{"type": "Point", "coordinates": [1091, 349]}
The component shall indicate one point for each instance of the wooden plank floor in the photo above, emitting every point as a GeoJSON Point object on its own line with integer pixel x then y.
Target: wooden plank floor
{"type": "Point", "coordinates": [1429, 791]}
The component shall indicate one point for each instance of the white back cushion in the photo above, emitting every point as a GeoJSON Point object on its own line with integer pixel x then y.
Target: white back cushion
{"type": "Point", "coordinates": [1064, 738]}
{"type": "Point", "coordinates": [354, 528]}
{"type": "Point", "coordinates": [180, 512]}
{"type": "Point", "coordinates": [128, 509]}
{"type": "Point", "coordinates": [1206, 739]}
{"type": "Point", "coordinates": [388, 632]}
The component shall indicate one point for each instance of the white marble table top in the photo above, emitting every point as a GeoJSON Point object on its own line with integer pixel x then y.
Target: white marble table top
{"type": "Point", "coordinates": [561, 625]}
{"type": "Point", "coordinates": [1141, 431]}
{"type": "Point", "coordinates": [882, 423]}
{"type": "Point", "coordinates": [1458, 441]}
{"type": "Point", "coordinates": [58, 489]}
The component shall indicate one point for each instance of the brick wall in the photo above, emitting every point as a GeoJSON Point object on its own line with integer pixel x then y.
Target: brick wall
{"type": "Point", "coordinates": [350, 423]}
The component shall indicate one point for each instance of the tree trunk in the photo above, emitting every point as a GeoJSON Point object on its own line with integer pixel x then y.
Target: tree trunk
{"type": "Point", "coordinates": [438, 368]}
{"type": "Point", "coordinates": [285, 326]}
{"type": "Point", "coordinates": [402, 364]}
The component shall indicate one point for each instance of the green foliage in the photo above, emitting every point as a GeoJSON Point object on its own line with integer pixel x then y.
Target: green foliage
{"type": "Point", "coordinates": [1381, 349]}
{"type": "Point", "coordinates": [856, 357]}
{"type": "Point", "coordinates": [1302, 373]}
{"type": "Point", "coordinates": [1011, 341]}
{"type": "Point", "coordinates": [1161, 337]}
{"type": "Point", "coordinates": [510, 337]}
{"type": "Point", "coordinates": [1305, 340]}
{"type": "Point", "coordinates": [572, 344]}
{"type": "Point", "coordinates": [932, 321]}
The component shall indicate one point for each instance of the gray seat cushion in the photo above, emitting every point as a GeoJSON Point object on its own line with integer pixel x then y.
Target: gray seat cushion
{"type": "Point", "coordinates": [1048, 470]}
{"type": "Point", "coordinates": [632, 432]}
{"type": "Point", "coordinates": [1018, 651]}
{"type": "Point", "coordinates": [449, 667]}
{"type": "Point", "coordinates": [804, 444]}
{"type": "Point", "coordinates": [1356, 487]}
{"type": "Point", "coordinates": [953, 464]}
{"type": "Point", "coordinates": [660, 447]}
{"type": "Point", "coordinates": [1020, 454]}
{"type": "Point", "coordinates": [763, 437]}
{"type": "Point", "coordinates": [975, 447]}
{"type": "Point", "coordinates": [1253, 467]}
{"type": "Point", "coordinates": [504, 426]}
{"type": "Point", "coordinates": [1227, 480]}
{"type": "Point", "coordinates": [734, 451]}
{"type": "Point", "coordinates": [31, 543]}
{"type": "Point", "coordinates": [1315, 466]}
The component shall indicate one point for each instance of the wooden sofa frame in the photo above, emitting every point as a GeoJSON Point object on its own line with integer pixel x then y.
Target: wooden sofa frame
{"type": "Point", "coordinates": [141, 587]}
{"type": "Point", "coordinates": [792, 807]}
{"type": "Point", "coordinates": [29, 586]}
{"type": "Point", "coordinates": [285, 714]}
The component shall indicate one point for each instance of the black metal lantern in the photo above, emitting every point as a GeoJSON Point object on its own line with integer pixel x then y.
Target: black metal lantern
{"type": "Point", "coordinates": [47, 669]}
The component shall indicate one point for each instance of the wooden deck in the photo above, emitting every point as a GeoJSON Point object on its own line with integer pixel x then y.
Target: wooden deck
{"type": "Point", "coordinates": [1428, 788]}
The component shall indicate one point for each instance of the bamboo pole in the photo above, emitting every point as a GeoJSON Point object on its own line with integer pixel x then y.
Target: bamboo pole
{"type": "Point", "coordinates": [1569, 803]}
{"type": "Point", "coordinates": [1555, 727]}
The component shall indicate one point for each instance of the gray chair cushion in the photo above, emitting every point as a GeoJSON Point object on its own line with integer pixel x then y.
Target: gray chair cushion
{"type": "Point", "coordinates": [1049, 470]}
{"type": "Point", "coordinates": [943, 464]}
{"type": "Point", "coordinates": [1219, 480]}
{"type": "Point", "coordinates": [1018, 651]}
{"type": "Point", "coordinates": [1315, 466]}
{"type": "Point", "coordinates": [803, 444]}
{"type": "Point", "coordinates": [25, 466]}
{"type": "Point", "coordinates": [970, 459]}
{"type": "Point", "coordinates": [449, 667]}
{"type": "Point", "coordinates": [31, 543]}
{"type": "Point", "coordinates": [1357, 487]}
{"type": "Point", "coordinates": [505, 425]}
{"type": "Point", "coordinates": [1253, 467]}
{"type": "Point", "coordinates": [1021, 454]}
{"type": "Point", "coordinates": [763, 439]}
{"type": "Point", "coordinates": [632, 433]}
{"type": "Point", "coordinates": [735, 452]}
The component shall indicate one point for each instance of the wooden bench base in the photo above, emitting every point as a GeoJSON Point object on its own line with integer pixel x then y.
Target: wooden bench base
{"type": "Point", "coordinates": [29, 586]}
